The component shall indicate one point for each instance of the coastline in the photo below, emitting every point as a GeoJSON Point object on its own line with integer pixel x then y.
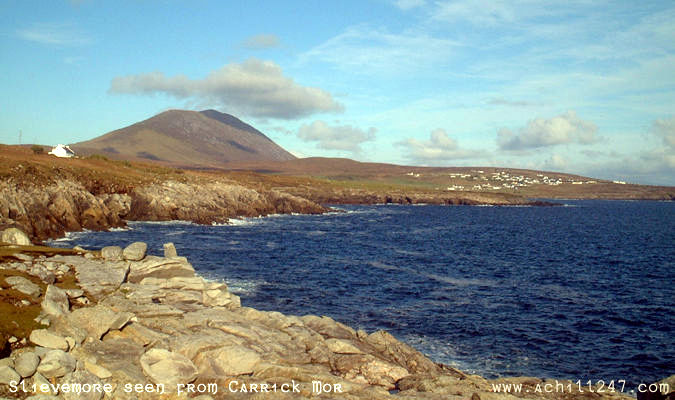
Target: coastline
{"type": "Point", "coordinates": [153, 320]}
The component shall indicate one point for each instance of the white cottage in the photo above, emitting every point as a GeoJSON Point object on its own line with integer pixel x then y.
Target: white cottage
{"type": "Point", "coordinates": [63, 151]}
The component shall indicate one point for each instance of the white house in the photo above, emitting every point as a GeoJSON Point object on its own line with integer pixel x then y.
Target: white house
{"type": "Point", "coordinates": [63, 151]}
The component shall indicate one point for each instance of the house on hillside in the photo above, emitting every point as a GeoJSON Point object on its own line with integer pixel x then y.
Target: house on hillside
{"type": "Point", "coordinates": [62, 151]}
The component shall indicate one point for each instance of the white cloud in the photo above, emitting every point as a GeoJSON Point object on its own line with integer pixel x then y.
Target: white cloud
{"type": "Point", "coordinates": [439, 148]}
{"type": "Point", "coordinates": [255, 88]}
{"type": "Point", "coordinates": [556, 163]}
{"type": "Point", "coordinates": [665, 129]}
{"type": "Point", "coordinates": [54, 34]}
{"type": "Point", "coordinates": [409, 4]}
{"type": "Point", "coordinates": [366, 50]}
{"type": "Point", "coordinates": [342, 137]}
{"type": "Point", "coordinates": [562, 129]}
{"type": "Point", "coordinates": [262, 41]}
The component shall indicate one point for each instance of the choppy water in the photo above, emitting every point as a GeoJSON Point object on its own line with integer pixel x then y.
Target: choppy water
{"type": "Point", "coordinates": [580, 292]}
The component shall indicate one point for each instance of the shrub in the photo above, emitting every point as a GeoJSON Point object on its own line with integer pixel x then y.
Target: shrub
{"type": "Point", "coordinates": [37, 149]}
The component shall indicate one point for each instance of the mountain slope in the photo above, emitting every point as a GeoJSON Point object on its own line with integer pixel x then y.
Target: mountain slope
{"type": "Point", "coordinates": [187, 139]}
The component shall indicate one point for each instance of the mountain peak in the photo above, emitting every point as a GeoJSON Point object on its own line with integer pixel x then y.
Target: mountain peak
{"type": "Point", "coordinates": [186, 138]}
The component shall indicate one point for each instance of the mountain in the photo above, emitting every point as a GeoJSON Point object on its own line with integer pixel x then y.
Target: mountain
{"type": "Point", "coordinates": [187, 139]}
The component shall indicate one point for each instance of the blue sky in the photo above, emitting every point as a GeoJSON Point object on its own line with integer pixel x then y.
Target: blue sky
{"type": "Point", "coordinates": [579, 86]}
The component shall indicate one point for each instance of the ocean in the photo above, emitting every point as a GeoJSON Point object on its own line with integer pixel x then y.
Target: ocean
{"type": "Point", "coordinates": [582, 291]}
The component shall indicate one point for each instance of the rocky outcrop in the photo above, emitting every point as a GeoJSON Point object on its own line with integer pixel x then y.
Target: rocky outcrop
{"type": "Point", "coordinates": [154, 322]}
{"type": "Point", "coordinates": [62, 206]}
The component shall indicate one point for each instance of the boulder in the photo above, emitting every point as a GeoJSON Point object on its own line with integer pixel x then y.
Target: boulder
{"type": "Point", "coordinates": [55, 303]}
{"type": "Point", "coordinates": [99, 278]}
{"type": "Point", "coordinates": [8, 374]}
{"type": "Point", "coordinates": [82, 378]}
{"type": "Point", "coordinates": [56, 363]}
{"type": "Point", "coordinates": [15, 236]}
{"type": "Point", "coordinates": [157, 267]}
{"type": "Point", "coordinates": [98, 320]}
{"type": "Point", "coordinates": [45, 338]}
{"type": "Point", "coordinates": [24, 286]}
{"type": "Point", "coordinates": [26, 363]}
{"type": "Point", "coordinates": [135, 251]}
{"type": "Point", "coordinates": [170, 250]}
{"type": "Point", "coordinates": [112, 253]}
{"type": "Point", "coordinates": [227, 361]}
{"type": "Point", "coordinates": [168, 368]}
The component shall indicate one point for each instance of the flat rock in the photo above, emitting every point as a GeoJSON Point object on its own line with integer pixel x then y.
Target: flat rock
{"type": "Point", "coordinates": [135, 251]}
{"type": "Point", "coordinates": [55, 303]}
{"type": "Point", "coordinates": [227, 361]}
{"type": "Point", "coordinates": [99, 278]}
{"type": "Point", "coordinates": [26, 363]}
{"type": "Point", "coordinates": [112, 253]}
{"type": "Point", "coordinates": [340, 346]}
{"type": "Point", "coordinates": [56, 363]}
{"type": "Point", "coordinates": [157, 267]}
{"type": "Point", "coordinates": [81, 378]}
{"type": "Point", "coordinates": [8, 374]}
{"type": "Point", "coordinates": [99, 371]}
{"type": "Point", "coordinates": [15, 236]}
{"type": "Point", "coordinates": [168, 368]}
{"type": "Point", "coordinates": [24, 286]}
{"type": "Point", "coordinates": [98, 320]}
{"type": "Point", "coordinates": [45, 338]}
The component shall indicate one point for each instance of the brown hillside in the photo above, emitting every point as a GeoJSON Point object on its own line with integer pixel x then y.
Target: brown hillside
{"type": "Point", "coordinates": [190, 139]}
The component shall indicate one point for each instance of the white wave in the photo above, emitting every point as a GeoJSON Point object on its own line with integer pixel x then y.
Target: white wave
{"type": "Point", "coordinates": [121, 229]}
{"type": "Point", "coordinates": [175, 233]}
{"type": "Point", "coordinates": [243, 287]}
{"type": "Point", "coordinates": [243, 221]}
{"type": "Point", "coordinates": [172, 222]}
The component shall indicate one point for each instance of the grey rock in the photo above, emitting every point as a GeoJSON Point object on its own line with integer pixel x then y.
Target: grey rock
{"type": "Point", "coordinates": [8, 374]}
{"type": "Point", "coordinates": [45, 338]}
{"type": "Point", "coordinates": [99, 371]}
{"type": "Point", "coordinates": [39, 381]}
{"type": "Point", "coordinates": [24, 286]}
{"type": "Point", "coordinates": [56, 363]}
{"type": "Point", "coordinates": [135, 251]}
{"type": "Point", "coordinates": [98, 320]}
{"type": "Point", "coordinates": [23, 257]}
{"type": "Point", "coordinates": [166, 367]}
{"type": "Point", "coordinates": [98, 278]}
{"type": "Point", "coordinates": [112, 253]}
{"type": "Point", "coordinates": [157, 267]}
{"type": "Point", "coordinates": [15, 236]}
{"type": "Point", "coordinates": [26, 363]}
{"type": "Point", "coordinates": [82, 377]}
{"type": "Point", "coordinates": [55, 304]}
{"type": "Point", "coordinates": [43, 273]}
{"type": "Point", "coordinates": [227, 361]}
{"type": "Point", "coordinates": [170, 250]}
{"type": "Point", "coordinates": [7, 362]}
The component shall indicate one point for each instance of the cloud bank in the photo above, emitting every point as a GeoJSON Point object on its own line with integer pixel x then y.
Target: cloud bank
{"type": "Point", "coordinates": [439, 148]}
{"type": "Point", "coordinates": [262, 41]}
{"type": "Point", "coordinates": [562, 129]}
{"type": "Point", "coordinates": [254, 88]}
{"type": "Point", "coordinates": [343, 137]}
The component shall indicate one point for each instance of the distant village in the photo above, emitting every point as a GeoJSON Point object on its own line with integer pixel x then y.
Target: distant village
{"type": "Point", "coordinates": [501, 180]}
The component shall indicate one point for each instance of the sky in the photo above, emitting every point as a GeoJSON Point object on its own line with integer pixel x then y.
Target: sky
{"type": "Point", "coordinates": [578, 86]}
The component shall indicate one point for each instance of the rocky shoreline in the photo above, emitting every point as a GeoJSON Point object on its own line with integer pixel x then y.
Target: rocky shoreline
{"type": "Point", "coordinates": [49, 211]}
{"type": "Point", "coordinates": [121, 324]}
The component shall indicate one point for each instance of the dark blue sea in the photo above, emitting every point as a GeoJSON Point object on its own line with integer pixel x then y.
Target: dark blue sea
{"type": "Point", "coordinates": [583, 291]}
